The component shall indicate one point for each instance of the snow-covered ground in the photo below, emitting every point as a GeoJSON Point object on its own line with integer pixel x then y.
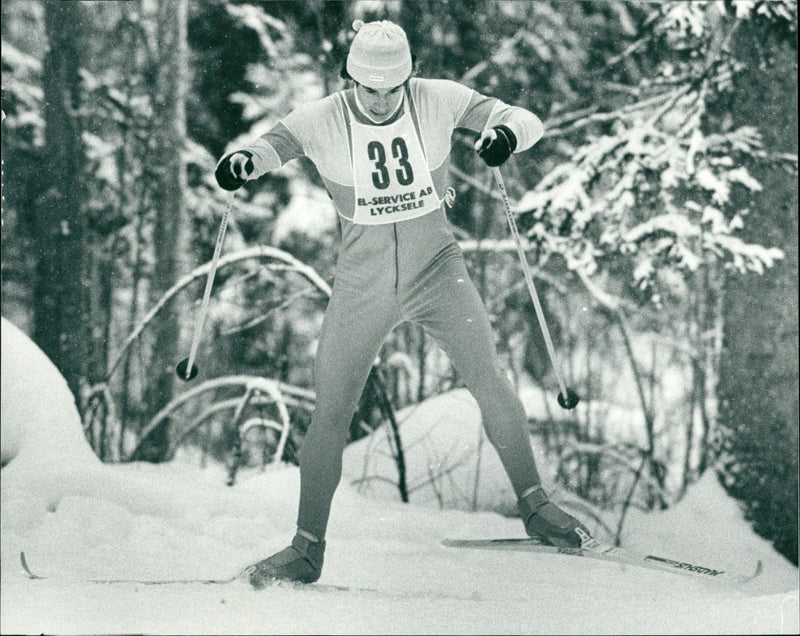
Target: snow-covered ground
{"type": "Point", "coordinates": [77, 518]}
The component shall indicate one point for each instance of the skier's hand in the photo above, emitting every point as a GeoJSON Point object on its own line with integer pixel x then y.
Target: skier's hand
{"type": "Point", "coordinates": [235, 169]}
{"type": "Point", "coordinates": [495, 145]}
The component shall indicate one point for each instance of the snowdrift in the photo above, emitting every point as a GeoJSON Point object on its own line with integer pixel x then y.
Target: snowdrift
{"type": "Point", "coordinates": [38, 410]}
{"type": "Point", "coordinates": [449, 462]}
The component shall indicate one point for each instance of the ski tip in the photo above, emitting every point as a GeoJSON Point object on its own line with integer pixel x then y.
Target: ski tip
{"type": "Point", "coordinates": [27, 570]}
{"type": "Point", "coordinates": [746, 578]}
{"type": "Point", "coordinates": [25, 567]}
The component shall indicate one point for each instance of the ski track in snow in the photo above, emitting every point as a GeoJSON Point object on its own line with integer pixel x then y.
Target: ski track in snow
{"type": "Point", "coordinates": [78, 519]}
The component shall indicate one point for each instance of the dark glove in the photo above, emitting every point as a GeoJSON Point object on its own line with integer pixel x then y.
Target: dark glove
{"type": "Point", "coordinates": [229, 176]}
{"type": "Point", "coordinates": [495, 152]}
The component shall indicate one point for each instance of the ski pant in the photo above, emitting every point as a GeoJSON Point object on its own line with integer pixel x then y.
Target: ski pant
{"type": "Point", "coordinates": [364, 308]}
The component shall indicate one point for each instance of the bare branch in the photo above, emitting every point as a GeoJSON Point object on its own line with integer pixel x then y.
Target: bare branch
{"type": "Point", "coordinates": [264, 317]}
{"type": "Point", "coordinates": [257, 252]}
{"type": "Point", "coordinates": [480, 187]}
{"type": "Point", "coordinates": [273, 388]}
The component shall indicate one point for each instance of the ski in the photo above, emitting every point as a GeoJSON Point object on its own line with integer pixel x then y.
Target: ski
{"type": "Point", "coordinates": [319, 587]}
{"type": "Point", "coordinates": [595, 550]}
{"type": "Point", "coordinates": [38, 577]}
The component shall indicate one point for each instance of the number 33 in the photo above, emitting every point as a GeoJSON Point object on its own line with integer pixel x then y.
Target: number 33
{"type": "Point", "coordinates": [377, 153]}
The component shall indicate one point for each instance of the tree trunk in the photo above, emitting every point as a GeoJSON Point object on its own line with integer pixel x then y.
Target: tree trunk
{"type": "Point", "coordinates": [60, 294]}
{"type": "Point", "coordinates": [395, 442]}
{"type": "Point", "coordinates": [759, 367]}
{"type": "Point", "coordinates": [170, 233]}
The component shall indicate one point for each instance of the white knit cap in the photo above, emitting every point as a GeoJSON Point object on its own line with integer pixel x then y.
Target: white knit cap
{"type": "Point", "coordinates": [379, 55]}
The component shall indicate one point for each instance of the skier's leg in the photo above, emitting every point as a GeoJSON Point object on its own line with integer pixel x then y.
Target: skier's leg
{"type": "Point", "coordinates": [445, 302]}
{"type": "Point", "coordinates": [449, 307]}
{"type": "Point", "coordinates": [352, 334]}
{"type": "Point", "coordinates": [355, 325]}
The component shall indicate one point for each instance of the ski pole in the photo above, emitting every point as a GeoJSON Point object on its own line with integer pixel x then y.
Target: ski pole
{"type": "Point", "coordinates": [567, 398]}
{"type": "Point", "coordinates": [187, 369]}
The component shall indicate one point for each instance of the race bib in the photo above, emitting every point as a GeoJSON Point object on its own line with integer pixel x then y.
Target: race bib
{"type": "Point", "coordinates": [390, 173]}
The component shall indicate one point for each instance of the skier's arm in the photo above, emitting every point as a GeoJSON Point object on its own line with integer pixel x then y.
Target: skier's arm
{"type": "Point", "coordinates": [502, 128]}
{"type": "Point", "coordinates": [278, 146]}
{"type": "Point", "coordinates": [484, 112]}
{"type": "Point", "coordinates": [526, 127]}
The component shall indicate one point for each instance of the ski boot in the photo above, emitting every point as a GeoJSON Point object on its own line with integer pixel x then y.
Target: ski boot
{"type": "Point", "coordinates": [547, 522]}
{"type": "Point", "coordinates": [301, 562]}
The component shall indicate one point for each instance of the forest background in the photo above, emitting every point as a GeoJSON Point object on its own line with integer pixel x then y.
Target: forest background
{"type": "Point", "coordinates": [660, 211]}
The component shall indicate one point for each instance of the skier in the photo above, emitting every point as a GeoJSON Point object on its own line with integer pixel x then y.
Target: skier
{"type": "Point", "coordinates": [382, 150]}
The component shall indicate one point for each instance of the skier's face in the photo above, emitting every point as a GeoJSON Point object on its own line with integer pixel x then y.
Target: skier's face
{"type": "Point", "coordinates": [379, 102]}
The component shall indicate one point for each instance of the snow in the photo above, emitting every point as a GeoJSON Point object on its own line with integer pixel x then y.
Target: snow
{"type": "Point", "coordinates": [310, 212]}
{"type": "Point", "coordinates": [37, 426]}
{"type": "Point", "coordinates": [76, 517]}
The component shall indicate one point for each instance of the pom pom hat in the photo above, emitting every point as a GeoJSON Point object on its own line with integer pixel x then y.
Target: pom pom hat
{"type": "Point", "coordinates": [379, 55]}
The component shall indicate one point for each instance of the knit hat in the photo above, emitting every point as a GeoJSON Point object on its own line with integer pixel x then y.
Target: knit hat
{"type": "Point", "coordinates": [379, 55]}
